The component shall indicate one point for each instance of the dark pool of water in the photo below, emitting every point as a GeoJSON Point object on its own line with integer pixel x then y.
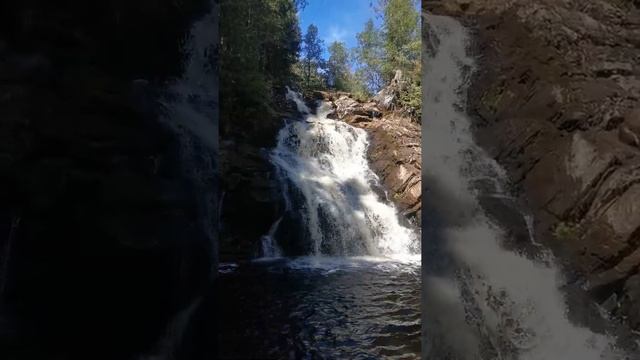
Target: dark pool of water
{"type": "Point", "coordinates": [321, 308]}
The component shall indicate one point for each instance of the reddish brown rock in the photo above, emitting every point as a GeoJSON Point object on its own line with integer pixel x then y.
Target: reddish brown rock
{"type": "Point", "coordinates": [395, 152]}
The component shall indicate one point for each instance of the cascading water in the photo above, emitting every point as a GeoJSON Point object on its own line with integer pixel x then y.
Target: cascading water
{"type": "Point", "coordinates": [498, 304]}
{"type": "Point", "coordinates": [325, 162]}
{"type": "Point", "coordinates": [190, 105]}
{"type": "Point", "coordinates": [269, 247]}
{"type": "Point", "coordinates": [355, 294]}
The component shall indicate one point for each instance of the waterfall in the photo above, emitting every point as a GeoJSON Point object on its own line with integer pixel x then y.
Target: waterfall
{"type": "Point", "coordinates": [190, 106]}
{"type": "Point", "coordinates": [297, 99]}
{"type": "Point", "coordinates": [269, 247]}
{"type": "Point", "coordinates": [498, 304]}
{"type": "Point", "coordinates": [322, 166]}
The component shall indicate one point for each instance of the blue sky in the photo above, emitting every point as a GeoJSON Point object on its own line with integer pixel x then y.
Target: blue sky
{"type": "Point", "coordinates": [337, 20]}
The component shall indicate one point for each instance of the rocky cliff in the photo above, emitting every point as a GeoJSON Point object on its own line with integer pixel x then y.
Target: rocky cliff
{"type": "Point", "coordinates": [99, 237]}
{"type": "Point", "coordinates": [555, 100]}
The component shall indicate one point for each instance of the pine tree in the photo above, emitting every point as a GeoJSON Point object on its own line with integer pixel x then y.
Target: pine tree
{"type": "Point", "coordinates": [401, 37]}
{"type": "Point", "coordinates": [338, 67]}
{"type": "Point", "coordinates": [253, 64]}
{"type": "Point", "coordinates": [369, 56]}
{"type": "Point", "coordinates": [312, 54]}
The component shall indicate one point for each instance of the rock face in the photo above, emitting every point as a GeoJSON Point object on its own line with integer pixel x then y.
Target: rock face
{"type": "Point", "coordinates": [556, 101]}
{"type": "Point", "coordinates": [395, 151]}
{"type": "Point", "coordinates": [99, 237]}
{"type": "Point", "coordinates": [251, 192]}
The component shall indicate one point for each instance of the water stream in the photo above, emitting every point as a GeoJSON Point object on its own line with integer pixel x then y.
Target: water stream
{"type": "Point", "coordinates": [190, 111]}
{"type": "Point", "coordinates": [346, 283]}
{"type": "Point", "coordinates": [482, 300]}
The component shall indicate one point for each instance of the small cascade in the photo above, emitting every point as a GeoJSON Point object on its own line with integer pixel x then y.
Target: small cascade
{"type": "Point", "coordinates": [297, 99]}
{"type": "Point", "coordinates": [322, 167]}
{"type": "Point", "coordinates": [190, 105]}
{"type": "Point", "coordinates": [268, 243]}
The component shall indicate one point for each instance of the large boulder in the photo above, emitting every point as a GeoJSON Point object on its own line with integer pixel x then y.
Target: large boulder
{"type": "Point", "coordinates": [349, 109]}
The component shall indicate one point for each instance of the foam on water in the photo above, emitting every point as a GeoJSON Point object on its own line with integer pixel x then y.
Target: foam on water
{"type": "Point", "coordinates": [322, 162]}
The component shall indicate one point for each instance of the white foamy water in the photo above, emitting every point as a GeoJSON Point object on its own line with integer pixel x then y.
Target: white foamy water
{"type": "Point", "coordinates": [498, 305]}
{"type": "Point", "coordinates": [190, 103]}
{"type": "Point", "coordinates": [322, 163]}
{"type": "Point", "coordinates": [269, 246]}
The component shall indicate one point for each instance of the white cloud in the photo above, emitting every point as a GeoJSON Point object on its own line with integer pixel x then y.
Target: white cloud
{"type": "Point", "coordinates": [336, 33]}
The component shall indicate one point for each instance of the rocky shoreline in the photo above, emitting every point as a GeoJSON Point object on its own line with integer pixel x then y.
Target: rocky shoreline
{"type": "Point", "coordinates": [554, 101]}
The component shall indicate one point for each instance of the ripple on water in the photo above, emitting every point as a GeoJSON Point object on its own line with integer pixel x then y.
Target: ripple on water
{"type": "Point", "coordinates": [311, 307]}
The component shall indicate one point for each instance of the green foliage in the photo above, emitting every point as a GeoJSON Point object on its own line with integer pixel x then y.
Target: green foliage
{"type": "Point", "coordinates": [370, 57]}
{"type": "Point", "coordinates": [402, 45]}
{"type": "Point", "coordinates": [262, 49]}
{"type": "Point", "coordinates": [315, 81]}
{"type": "Point", "coordinates": [402, 37]}
{"type": "Point", "coordinates": [252, 63]}
{"type": "Point", "coordinates": [358, 89]}
{"type": "Point", "coordinates": [566, 231]}
{"type": "Point", "coordinates": [396, 46]}
{"type": "Point", "coordinates": [338, 67]}
{"type": "Point", "coordinates": [312, 59]}
{"type": "Point", "coordinates": [411, 99]}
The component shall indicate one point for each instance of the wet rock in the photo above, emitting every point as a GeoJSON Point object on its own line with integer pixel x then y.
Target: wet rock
{"type": "Point", "coordinates": [395, 152]}
{"type": "Point", "coordinates": [355, 119]}
{"type": "Point", "coordinates": [611, 304]}
{"type": "Point", "coordinates": [554, 98]}
{"type": "Point", "coordinates": [629, 131]}
{"type": "Point", "coordinates": [251, 191]}
{"type": "Point", "coordinates": [630, 303]}
{"type": "Point", "coordinates": [395, 155]}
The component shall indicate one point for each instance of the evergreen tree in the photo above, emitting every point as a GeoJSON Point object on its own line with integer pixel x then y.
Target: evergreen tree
{"type": "Point", "coordinates": [312, 54]}
{"type": "Point", "coordinates": [401, 37]}
{"type": "Point", "coordinates": [251, 63]}
{"type": "Point", "coordinates": [338, 67]}
{"type": "Point", "coordinates": [369, 56]}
